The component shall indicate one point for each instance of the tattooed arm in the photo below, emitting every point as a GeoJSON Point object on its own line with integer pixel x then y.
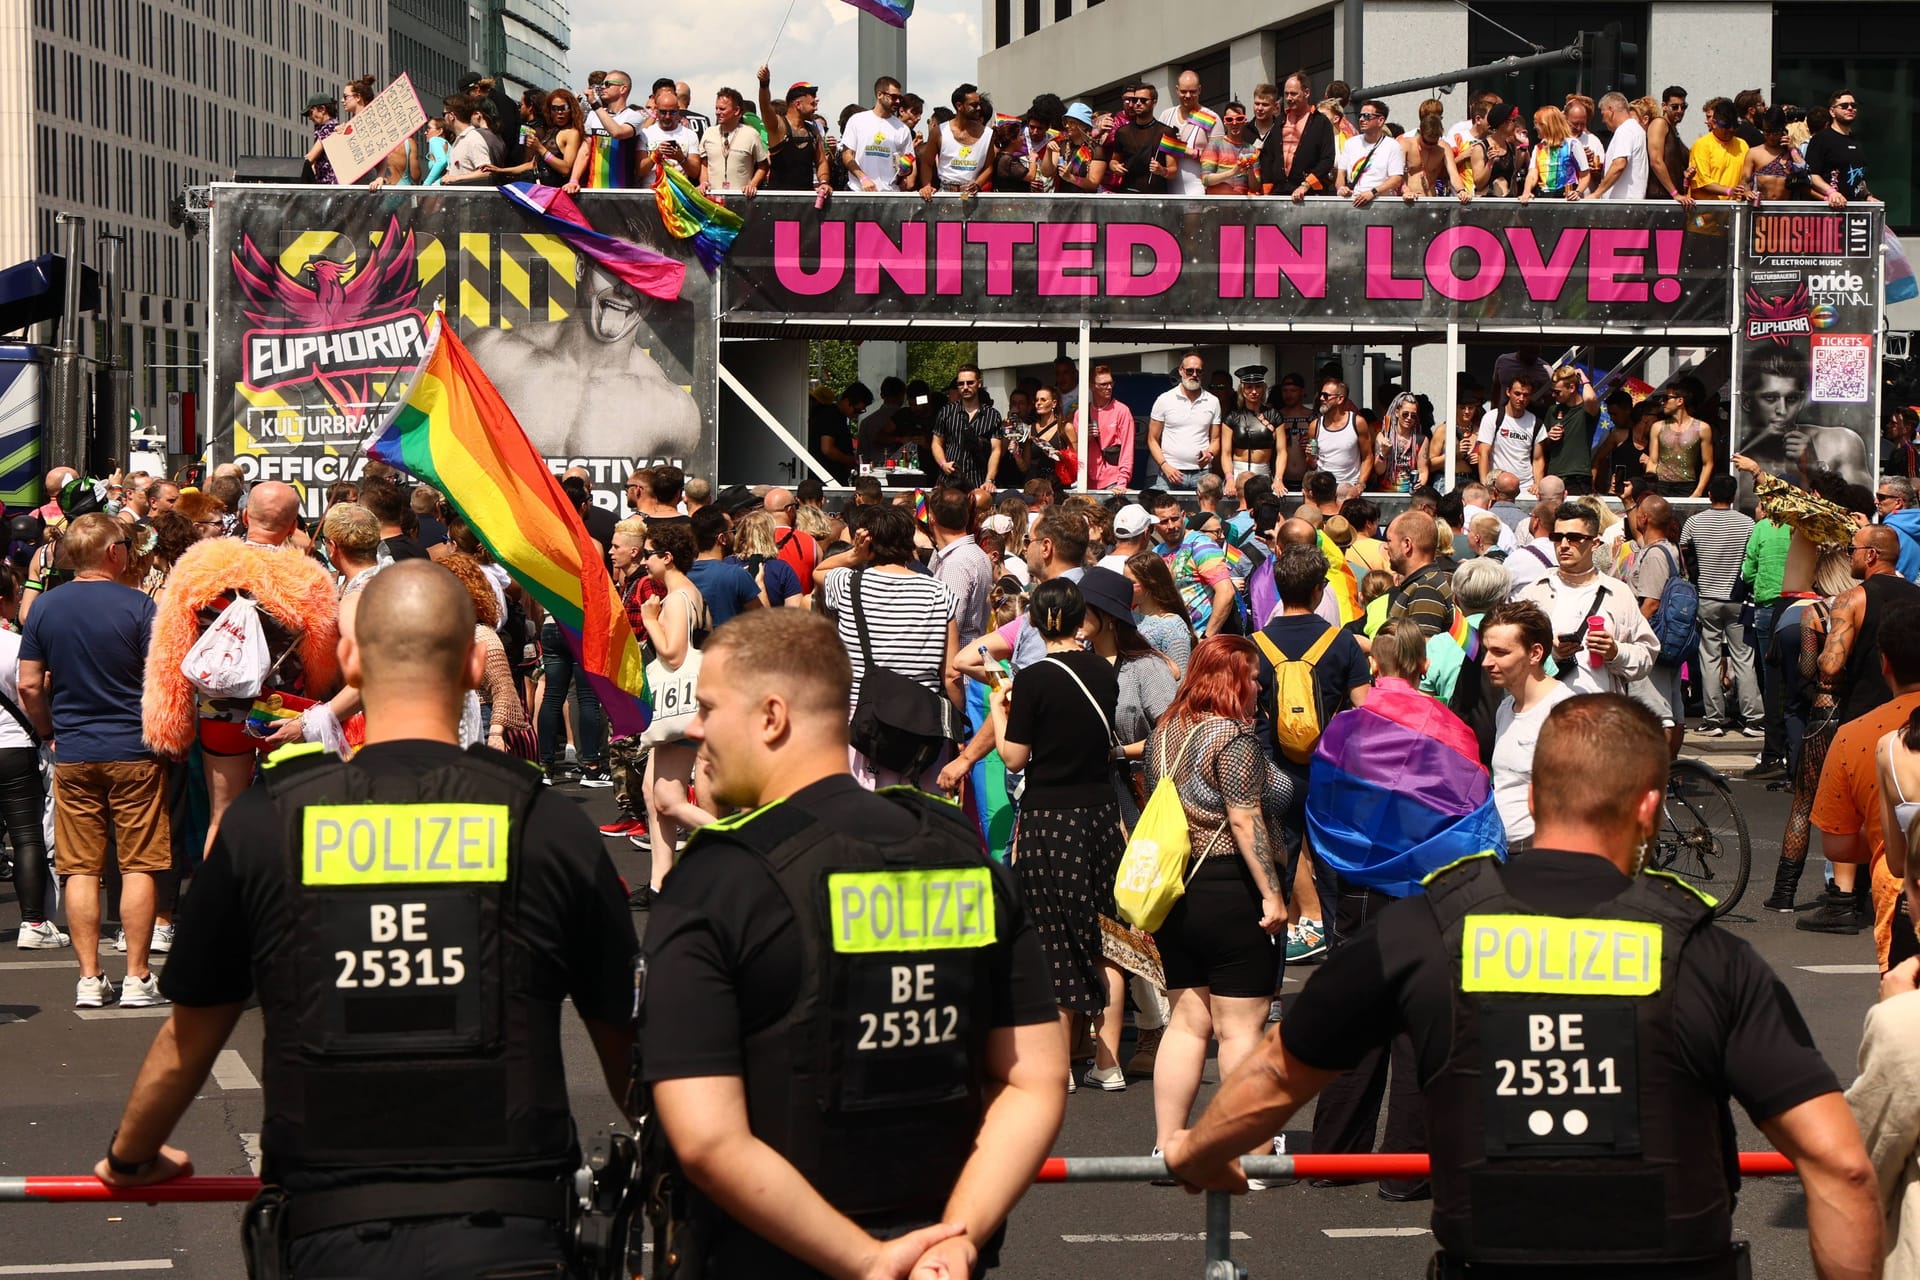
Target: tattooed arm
{"type": "Point", "coordinates": [1240, 775]}
{"type": "Point", "coordinates": [1845, 620]}
{"type": "Point", "coordinates": [1249, 829]}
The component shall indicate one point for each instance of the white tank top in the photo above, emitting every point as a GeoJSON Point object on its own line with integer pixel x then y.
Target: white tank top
{"type": "Point", "coordinates": [959, 161]}
{"type": "Point", "coordinates": [1340, 451]}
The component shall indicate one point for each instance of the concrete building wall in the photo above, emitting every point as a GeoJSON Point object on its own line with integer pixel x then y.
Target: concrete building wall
{"type": "Point", "coordinates": [1406, 38]}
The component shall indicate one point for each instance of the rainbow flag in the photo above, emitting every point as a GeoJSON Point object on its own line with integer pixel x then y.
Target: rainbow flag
{"type": "Point", "coordinates": [453, 431]}
{"type": "Point", "coordinates": [653, 274]}
{"type": "Point", "coordinates": [892, 12]}
{"type": "Point", "coordinates": [1001, 119]}
{"type": "Point", "coordinates": [992, 807]}
{"type": "Point", "coordinates": [610, 161]}
{"type": "Point", "coordinates": [1396, 791]}
{"type": "Point", "coordinates": [1172, 145]}
{"type": "Point", "coordinates": [688, 215]}
{"type": "Point", "coordinates": [1205, 118]}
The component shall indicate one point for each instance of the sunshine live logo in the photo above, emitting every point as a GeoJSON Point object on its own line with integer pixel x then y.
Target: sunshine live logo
{"type": "Point", "coordinates": [1836, 235]}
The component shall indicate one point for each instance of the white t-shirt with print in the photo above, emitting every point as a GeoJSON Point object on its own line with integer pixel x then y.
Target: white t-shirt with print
{"type": "Point", "coordinates": [1384, 159]}
{"type": "Point", "coordinates": [879, 149]}
{"type": "Point", "coordinates": [1512, 443]}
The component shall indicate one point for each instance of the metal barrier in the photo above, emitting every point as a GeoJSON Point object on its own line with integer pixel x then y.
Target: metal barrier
{"type": "Point", "coordinates": [1219, 1264]}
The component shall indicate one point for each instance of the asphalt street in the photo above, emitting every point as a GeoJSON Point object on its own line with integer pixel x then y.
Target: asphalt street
{"type": "Point", "coordinates": [64, 1075]}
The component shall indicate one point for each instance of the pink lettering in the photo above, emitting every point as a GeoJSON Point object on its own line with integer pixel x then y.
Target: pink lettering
{"type": "Point", "coordinates": [793, 274]}
{"type": "Point", "coordinates": [1545, 280]}
{"type": "Point", "coordinates": [1000, 239]}
{"type": "Point", "coordinates": [1123, 239]}
{"type": "Point", "coordinates": [1666, 250]}
{"type": "Point", "coordinates": [1490, 263]}
{"type": "Point", "coordinates": [1613, 253]}
{"type": "Point", "coordinates": [1068, 247]}
{"type": "Point", "coordinates": [905, 263]}
{"type": "Point", "coordinates": [950, 262]}
{"type": "Point", "coordinates": [1233, 262]}
{"type": "Point", "coordinates": [1381, 282]}
{"type": "Point", "coordinates": [1276, 258]}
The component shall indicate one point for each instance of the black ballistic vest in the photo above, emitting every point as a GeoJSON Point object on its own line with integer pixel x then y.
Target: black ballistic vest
{"type": "Point", "coordinates": [871, 1085]}
{"type": "Point", "coordinates": [403, 1040]}
{"type": "Point", "coordinates": [1564, 1129]}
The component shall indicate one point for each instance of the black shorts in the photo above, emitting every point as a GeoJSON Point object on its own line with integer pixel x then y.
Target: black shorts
{"type": "Point", "coordinates": [1212, 937]}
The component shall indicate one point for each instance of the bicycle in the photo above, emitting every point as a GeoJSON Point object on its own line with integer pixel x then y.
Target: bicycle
{"type": "Point", "coordinates": [1702, 837]}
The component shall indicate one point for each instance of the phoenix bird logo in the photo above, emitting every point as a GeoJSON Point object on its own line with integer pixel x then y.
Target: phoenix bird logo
{"type": "Point", "coordinates": [1779, 318]}
{"type": "Point", "coordinates": [339, 296]}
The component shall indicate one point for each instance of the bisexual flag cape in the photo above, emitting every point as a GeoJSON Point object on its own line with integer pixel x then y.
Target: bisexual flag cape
{"type": "Point", "coordinates": [1396, 791]}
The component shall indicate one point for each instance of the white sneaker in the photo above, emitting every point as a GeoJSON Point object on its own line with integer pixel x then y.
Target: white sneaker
{"type": "Point", "coordinates": [44, 936]}
{"type": "Point", "coordinates": [1112, 1080]}
{"type": "Point", "coordinates": [120, 941]}
{"type": "Point", "coordinates": [94, 993]}
{"type": "Point", "coordinates": [142, 993]}
{"type": "Point", "coordinates": [162, 940]}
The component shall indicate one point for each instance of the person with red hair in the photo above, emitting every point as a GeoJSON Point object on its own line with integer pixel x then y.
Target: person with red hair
{"type": "Point", "coordinates": [1218, 943]}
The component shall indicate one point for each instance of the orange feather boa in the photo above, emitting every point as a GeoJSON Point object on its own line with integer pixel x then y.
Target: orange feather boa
{"type": "Point", "coordinates": [295, 590]}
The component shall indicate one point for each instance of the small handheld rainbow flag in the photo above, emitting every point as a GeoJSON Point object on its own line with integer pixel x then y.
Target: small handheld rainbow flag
{"type": "Point", "coordinates": [892, 12]}
{"type": "Point", "coordinates": [688, 215]}
{"type": "Point", "coordinates": [453, 431]}
{"type": "Point", "coordinates": [1001, 118]}
{"type": "Point", "coordinates": [1171, 145]}
{"type": "Point", "coordinates": [1206, 118]}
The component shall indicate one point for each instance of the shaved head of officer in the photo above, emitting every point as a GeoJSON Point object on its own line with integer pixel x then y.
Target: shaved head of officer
{"type": "Point", "coordinates": [411, 652]}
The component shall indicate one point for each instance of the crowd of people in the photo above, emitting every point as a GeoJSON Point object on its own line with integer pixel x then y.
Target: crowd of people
{"type": "Point", "coordinates": [1093, 649]}
{"type": "Point", "coordinates": [1284, 140]}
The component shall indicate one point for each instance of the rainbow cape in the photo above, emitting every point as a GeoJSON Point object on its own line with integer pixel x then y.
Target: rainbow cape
{"type": "Point", "coordinates": [653, 274]}
{"type": "Point", "coordinates": [988, 802]}
{"type": "Point", "coordinates": [688, 215]}
{"type": "Point", "coordinates": [1396, 791]}
{"type": "Point", "coordinates": [892, 12]}
{"type": "Point", "coordinates": [453, 431]}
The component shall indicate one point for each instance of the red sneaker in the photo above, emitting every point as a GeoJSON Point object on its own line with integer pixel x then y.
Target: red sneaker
{"type": "Point", "coordinates": [624, 826]}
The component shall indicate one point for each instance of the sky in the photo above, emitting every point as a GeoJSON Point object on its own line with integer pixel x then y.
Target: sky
{"type": "Point", "coordinates": [710, 43]}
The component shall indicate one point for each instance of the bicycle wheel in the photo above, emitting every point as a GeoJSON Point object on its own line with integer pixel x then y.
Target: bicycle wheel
{"type": "Point", "coordinates": [1702, 836]}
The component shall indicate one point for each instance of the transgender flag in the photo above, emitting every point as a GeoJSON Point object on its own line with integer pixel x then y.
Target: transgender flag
{"type": "Point", "coordinates": [1396, 792]}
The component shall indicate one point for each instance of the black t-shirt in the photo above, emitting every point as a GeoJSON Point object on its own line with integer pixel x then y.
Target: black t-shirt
{"type": "Point", "coordinates": [1137, 146]}
{"type": "Point", "coordinates": [1737, 1029]}
{"type": "Point", "coordinates": [724, 957]}
{"type": "Point", "coordinates": [573, 911]}
{"type": "Point", "coordinates": [826, 422]}
{"type": "Point", "coordinates": [1340, 670]}
{"type": "Point", "coordinates": [1840, 159]}
{"type": "Point", "coordinates": [400, 547]}
{"type": "Point", "coordinates": [1049, 713]}
{"type": "Point", "coordinates": [432, 532]}
{"type": "Point", "coordinates": [600, 523]}
{"type": "Point", "coordinates": [1572, 454]}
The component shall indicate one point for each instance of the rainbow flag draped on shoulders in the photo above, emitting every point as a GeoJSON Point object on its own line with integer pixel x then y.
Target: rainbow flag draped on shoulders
{"type": "Point", "coordinates": [1396, 791]}
{"type": "Point", "coordinates": [453, 431]}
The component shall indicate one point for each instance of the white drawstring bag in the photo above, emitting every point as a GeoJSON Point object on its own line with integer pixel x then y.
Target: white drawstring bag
{"type": "Point", "coordinates": [230, 660]}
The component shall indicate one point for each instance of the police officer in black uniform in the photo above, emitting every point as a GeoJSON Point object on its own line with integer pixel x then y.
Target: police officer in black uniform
{"type": "Point", "coordinates": [847, 1027]}
{"type": "Point", "coordinates": [411, 921]}
{"type": "Point", "coordinates": [1579, 1030]}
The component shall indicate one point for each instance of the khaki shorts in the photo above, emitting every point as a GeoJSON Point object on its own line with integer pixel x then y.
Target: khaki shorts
{"type": "Point", "coordinates": [124, 798]}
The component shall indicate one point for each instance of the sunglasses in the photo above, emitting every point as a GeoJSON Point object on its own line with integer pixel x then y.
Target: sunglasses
{"type": "Point", "coordinates": [1370, 115]}
{"type": "Point", "coordinates": [1136, 99]}
{"type": "Point", "coordinates": [1886, 497]}
{"type": "Point", "coordinates": [1846, 106]}
{"type": "Point", "coordinates": [1575, 538]}
{"type": "Point", "coordinates": [1190, 373]}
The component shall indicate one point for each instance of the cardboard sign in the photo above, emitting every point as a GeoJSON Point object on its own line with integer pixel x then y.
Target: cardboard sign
{"type": "Point", "coordinates": [370, 137]}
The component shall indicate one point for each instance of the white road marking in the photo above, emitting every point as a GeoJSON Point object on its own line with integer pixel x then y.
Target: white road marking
{"type": "Point", "coordinates": [1367, 1233]}
{"type": "Point", "coordinates": [113, 1013]}
{"type": "Point", "coordinates": [250, 1144]}
{"type": "Point", "coordinates": [74, 1268]}
{"type": "Point", "coordinates": [1148, 1237]}
{"type": "Point", "coordinates": [1841, 969]}
{"type": "Point", "coordinates": [230, 1071]}
{"type": "Point", "coordinates": [12, 965]}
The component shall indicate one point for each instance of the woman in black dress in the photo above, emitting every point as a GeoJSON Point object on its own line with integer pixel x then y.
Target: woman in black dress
{"type": "Point", "coordinates": [1067, 844]}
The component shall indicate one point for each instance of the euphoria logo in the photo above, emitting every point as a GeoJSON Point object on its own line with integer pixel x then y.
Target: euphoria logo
{"type": "Point", "coordinates": [334, 318]}
{"type": "Point", "coordinates": [1779, 318]}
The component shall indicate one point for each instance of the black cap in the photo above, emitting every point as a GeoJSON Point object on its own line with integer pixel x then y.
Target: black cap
{"type": "Point", "coordinates": [1251, 375]}
{"type": "Point", "coordinates": [318, 100]}
{"type": "Point", "coordinates": [736, 499]}
{"type": "Point", "coordinates": [1107, 591]}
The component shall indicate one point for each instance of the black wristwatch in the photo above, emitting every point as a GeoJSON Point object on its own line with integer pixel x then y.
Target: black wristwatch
{"type": "Point", "coordinates": [127, 1168]}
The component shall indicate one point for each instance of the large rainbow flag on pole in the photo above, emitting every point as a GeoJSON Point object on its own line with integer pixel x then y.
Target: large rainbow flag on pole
{"type": "Point", "coordinates": [453, 431]}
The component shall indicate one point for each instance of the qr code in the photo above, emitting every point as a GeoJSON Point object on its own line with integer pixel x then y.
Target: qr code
{"type": "Point", "coordinates": [1842, 368]}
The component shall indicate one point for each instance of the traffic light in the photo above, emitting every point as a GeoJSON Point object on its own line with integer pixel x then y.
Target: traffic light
{"type": "Point", "coordinates": [1615, 62]}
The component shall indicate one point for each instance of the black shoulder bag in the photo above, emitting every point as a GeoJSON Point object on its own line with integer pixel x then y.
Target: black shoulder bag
{"type": "Point", "coordinates": [898, 723]}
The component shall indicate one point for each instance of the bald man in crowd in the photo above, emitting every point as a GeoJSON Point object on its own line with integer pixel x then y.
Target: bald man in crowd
{"type": "Point", "coordinates": [1850, 660]}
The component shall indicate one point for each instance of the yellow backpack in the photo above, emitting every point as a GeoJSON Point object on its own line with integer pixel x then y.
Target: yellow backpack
{"type": "Point", "coordinates": [1153, 871]}
{"type": "Point", "coordinates": [1296, 709]}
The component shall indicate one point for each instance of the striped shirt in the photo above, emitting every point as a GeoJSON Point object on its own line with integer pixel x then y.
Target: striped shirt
{"type": "Point", "coordinates": [907, 617]}
{"type": "Point", "coordinates": [1718, 537]}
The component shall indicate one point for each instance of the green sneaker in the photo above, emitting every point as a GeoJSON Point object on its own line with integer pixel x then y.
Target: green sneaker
{"type": "Point", "coordinates": [1305, 941]}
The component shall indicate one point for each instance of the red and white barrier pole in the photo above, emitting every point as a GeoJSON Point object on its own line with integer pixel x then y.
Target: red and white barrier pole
{"type": "Point", "coordinates": [86, 1189]}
